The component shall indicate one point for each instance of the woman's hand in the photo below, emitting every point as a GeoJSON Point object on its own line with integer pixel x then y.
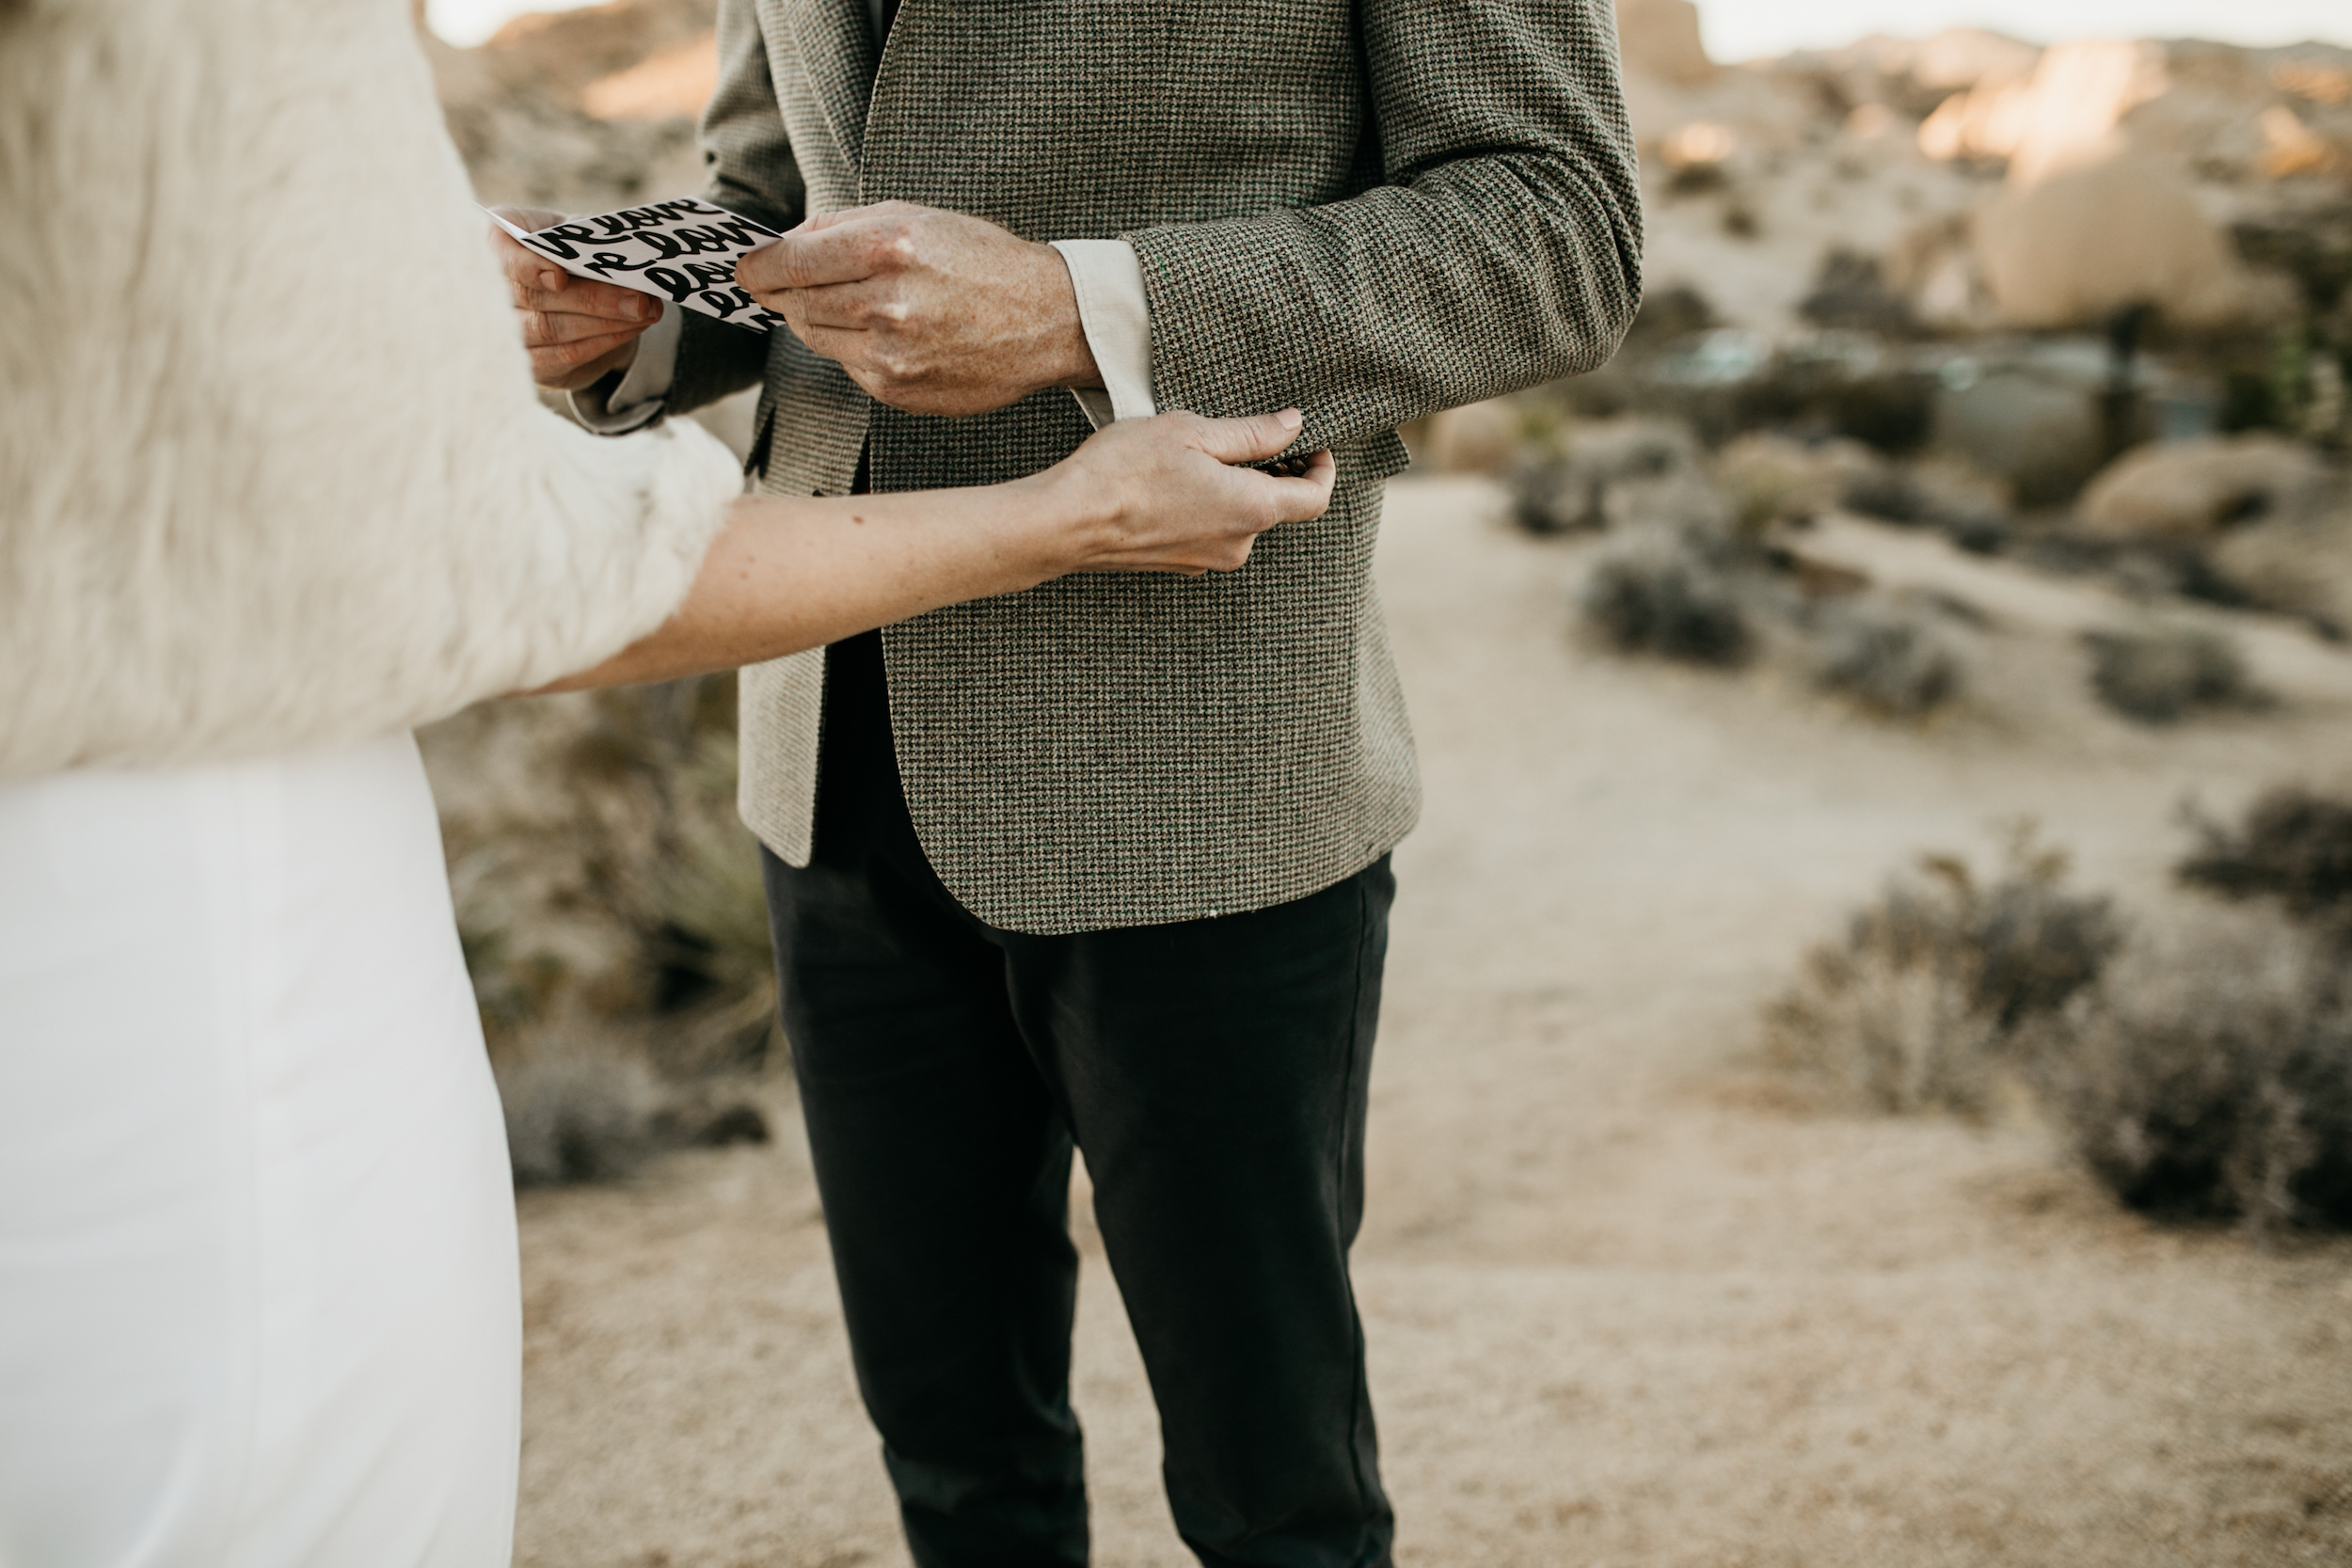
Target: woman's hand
{"type": "Point", "coordinates": [797, 571]}
{"type": "Point", "coordinates": [1161, 495]}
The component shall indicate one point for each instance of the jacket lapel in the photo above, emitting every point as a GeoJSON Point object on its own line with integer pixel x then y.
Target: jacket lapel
{"type": "Point", "coordinates": [837, 46]}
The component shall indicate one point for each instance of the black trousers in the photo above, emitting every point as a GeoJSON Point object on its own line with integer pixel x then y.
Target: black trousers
{"type": "Point", "coordinates": [1212, 1070]}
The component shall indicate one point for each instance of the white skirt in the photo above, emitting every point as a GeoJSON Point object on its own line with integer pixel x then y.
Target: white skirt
{"type": "Point", "coordinates": [257, 1293]}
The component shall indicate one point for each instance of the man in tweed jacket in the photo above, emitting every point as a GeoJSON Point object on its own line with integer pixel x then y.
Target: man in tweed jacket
{"type": "Point", "coordinates": [1108, 860]}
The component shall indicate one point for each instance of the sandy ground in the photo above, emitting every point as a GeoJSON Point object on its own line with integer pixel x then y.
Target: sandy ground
{"type": "Point", "coordinates": [1630, 1300]}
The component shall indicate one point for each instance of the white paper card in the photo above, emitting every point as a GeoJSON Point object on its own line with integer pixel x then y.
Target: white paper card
{"type": "Point", "coordinates": [682, 251]}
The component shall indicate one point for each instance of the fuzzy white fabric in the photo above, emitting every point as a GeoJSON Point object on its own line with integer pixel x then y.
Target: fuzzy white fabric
{"type": "Point", "coordinates": [272, 469]}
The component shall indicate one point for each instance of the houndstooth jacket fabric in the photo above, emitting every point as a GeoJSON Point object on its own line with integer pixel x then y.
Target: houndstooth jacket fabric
{"type": "Point", "coordinates": [1370, 209]}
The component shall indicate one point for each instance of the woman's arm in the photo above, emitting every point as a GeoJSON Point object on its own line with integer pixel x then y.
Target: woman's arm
{"type": "Point", "coordinates": [1147, 495]}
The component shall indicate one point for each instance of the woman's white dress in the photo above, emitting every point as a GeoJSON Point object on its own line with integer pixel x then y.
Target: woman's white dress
{"type": "Point", "coordinates": [258, 1289]}
{"type": "Point", "coordinates": [273, 484]}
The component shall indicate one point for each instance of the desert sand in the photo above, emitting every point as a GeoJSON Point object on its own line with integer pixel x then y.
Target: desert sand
{"type": "Point", "coordinates": [1632, 1300]}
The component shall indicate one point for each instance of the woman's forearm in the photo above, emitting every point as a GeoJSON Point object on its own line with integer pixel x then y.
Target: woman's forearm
{"type": "Point", "coordinates": [1147, 495]}
{"type": "Point", "coordinates": [789, 573]}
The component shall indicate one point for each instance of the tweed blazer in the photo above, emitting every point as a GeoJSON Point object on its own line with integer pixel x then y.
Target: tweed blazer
{"type": "Point", "coordinates": [1370, 209]}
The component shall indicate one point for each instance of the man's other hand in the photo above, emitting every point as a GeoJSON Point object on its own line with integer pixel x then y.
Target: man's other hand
{"type": "Point", "coordinates": [930, 311]}
{"type": "Point", "coordinates": [577, 331]}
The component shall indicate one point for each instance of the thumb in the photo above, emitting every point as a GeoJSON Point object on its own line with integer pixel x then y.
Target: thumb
{"type": "Point", "coordinates": [1252, 439]}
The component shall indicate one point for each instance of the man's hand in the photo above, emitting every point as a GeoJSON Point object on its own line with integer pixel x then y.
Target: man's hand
{"type": "Point", "coordinates": [577, 331]}
{"type": "Point", "coordinates": [930, 311]}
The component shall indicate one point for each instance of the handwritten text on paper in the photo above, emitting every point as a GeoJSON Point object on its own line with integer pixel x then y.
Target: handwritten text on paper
{"type": "Point", "coordinates": [683, 251]}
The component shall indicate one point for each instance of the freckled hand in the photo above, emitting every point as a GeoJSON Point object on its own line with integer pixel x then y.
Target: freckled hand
{"type": "Point", "coordinates": [930, 311]}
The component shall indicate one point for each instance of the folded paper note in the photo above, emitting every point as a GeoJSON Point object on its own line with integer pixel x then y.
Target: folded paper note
{"type": "Point", "coordinates": [683, 251]}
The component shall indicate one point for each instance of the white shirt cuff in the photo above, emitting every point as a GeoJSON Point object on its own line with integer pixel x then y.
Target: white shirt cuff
{"type": "Point", "coordinates": [637, 402]}
{"type": "Point", "coordinates": [1118, 324]}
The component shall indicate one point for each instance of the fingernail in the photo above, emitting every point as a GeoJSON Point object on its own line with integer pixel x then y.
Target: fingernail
{"type": "Point", "coordinates": [550, 280]}
{"type": "Point", "coordinates": [1291, 419]}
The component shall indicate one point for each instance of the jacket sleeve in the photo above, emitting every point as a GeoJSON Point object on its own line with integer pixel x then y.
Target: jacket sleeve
{"type": "Point", "coordinates": [752, 171]}
{"type": "Point", "coordinates": [1503, 250]}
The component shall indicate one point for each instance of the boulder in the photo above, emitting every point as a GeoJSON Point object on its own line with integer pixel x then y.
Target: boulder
{"type": "Point", "coordinates": [1661, 39]}
{"type": "Point", "coordinates": [2103, 230]}
{"type": "Point", "coordinates": [2036, 431]}
{"type": "Point", "coordinates": [2077, 96]}
{"type": "Point", "coordinates": [1960, 57]}
{"type": "Point", "coordinates": [2189, 492]}
{"type": "Point", "coordinates": [2300, 568]}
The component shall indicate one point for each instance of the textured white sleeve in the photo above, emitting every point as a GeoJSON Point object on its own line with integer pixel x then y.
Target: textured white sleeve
{"type": "Point", "coordinates": [639, 398]}
{"type": "Point", "coordinates": [1118, 323]}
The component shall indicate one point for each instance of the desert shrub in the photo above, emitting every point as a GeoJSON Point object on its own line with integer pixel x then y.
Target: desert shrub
{"type": "Point", "coordinates": [707, 927]}
{"type": "Point", "coordinates": [2294, 846]}
{"type": "Point", "coordinates": [585, 1103]}
{"type": "Point", "coordinates": [1569, 491]}
{"type": "Point", "coordinates": [1769, 481]}
{"type": "Point", "coordinates": [1670, 592]}
{"type": "Point", "coordinates": [1892, 657]}
{"type": "Point", "coordinates": [1851, 291]}
{"type": "Point", "coordinates": [1549, 495]}
{"type": "Point", "coordinates": [582, 1111]}
{"type": "Point", "coordinates": [1918, 1004]}
{"type": "Point", "coordinates": [612, 914]}
{"type": "Point", "coordinates": [2212, 1078]}
{"type": "Point", "coordinates": [1886, 491]}
{"type": "Point", "coordinates": [2160, 672]}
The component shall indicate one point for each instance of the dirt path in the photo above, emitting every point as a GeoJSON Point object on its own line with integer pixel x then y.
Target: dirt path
{"type": "Point", "coordinates": [1630, 1302]}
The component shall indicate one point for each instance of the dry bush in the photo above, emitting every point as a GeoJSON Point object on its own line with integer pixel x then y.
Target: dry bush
{"type": "Point", "coordinates": [1969, 507]}
{"type": "Point", "coordinates": [1919, 1003]}
{"type": "Point", "coordinates": [1667, 592]}
{"type": "Point", "coordinates": [1896, 658]}
{"type": "Point", "coordinates": [585, 1102]}
{"type": "Point", "coordinates": [612, 916]}
{"type": "Point", "coordinates": [581, 1107]}
{"type": "Point", "coordinates": [1570, 490]}
{"type": "Point", "coordinates": [1773, 481]}
{"type": "Point", "coordinates": [2212, 1078]}
{"type": "Point", "coordinates": [2161, 672]}
{"type": "Point", "coordinates": [707, 927]}
{"type": "Point", "coordinates": [2294, 846]}
{"type": "Point", "coordinates": [599, 869]}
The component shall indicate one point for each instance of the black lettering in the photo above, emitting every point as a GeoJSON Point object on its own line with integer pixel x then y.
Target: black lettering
{"type": "Point", "coordinates": [560, 240]}
{"type": "Point", "coordinates": [674, 283]}
{"type": "Point", "coordinates": [604, 264]}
